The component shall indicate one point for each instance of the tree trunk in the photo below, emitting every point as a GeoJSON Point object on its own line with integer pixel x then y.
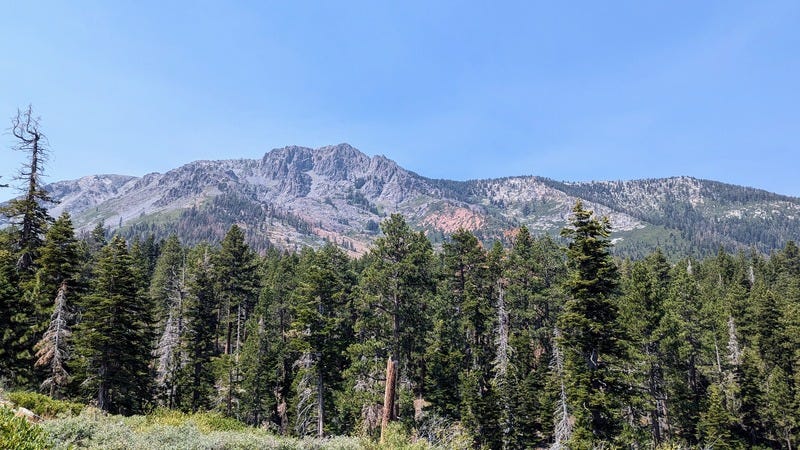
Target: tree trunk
{"type": "Point", "coordinates": [320, 405]}
{"type": "Point", "coordinates": [388, 398]}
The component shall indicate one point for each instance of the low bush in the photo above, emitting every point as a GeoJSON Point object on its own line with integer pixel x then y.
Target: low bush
{"type": "Point", "coordinates": [206, 422]}
{"type": "Point", "coordinates": [164, 429]}
{"type": "Point", "coordinates": [43, 405]}
{"type": "Point", "coordinates": [16, 433]}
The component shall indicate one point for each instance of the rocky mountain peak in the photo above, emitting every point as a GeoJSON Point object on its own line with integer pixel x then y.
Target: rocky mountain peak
{"type": "Point", "coordinates": [295, 196]}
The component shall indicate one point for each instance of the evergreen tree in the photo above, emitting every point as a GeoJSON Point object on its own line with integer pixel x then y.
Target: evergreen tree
{"type": "Point", "coordinates": [393, 319]}
{"type": "Point", "coordinates": [780, 412]}
{"type": "Point", "coordinates": [236, 281]}
{"type": "Point", "coordinates": [58, 269]}
{"type": "Point", "coordinates": [750, 375]}
{"type": "Point", "coordinates": [10, 306]}
{"type": "Point", "coordinates": [685, 355]}
{"type": "Point", "coordinates": [196, 377]}
{"type": "Point", "coordinates": [97, 239]}
{"type": "Point", "coordinates": [716, 422]}
{"type": "Point", "coordinates": [534, 274]}
{"type": "Point", "coordinates": [320, 330]}
{"type": "Point", "coordinates": [591, 337]}
{"type": "Point", "coordinates": [168, 293]}
{"type": "Point", "coordinates": [646, 287]}
{"type": "Point", "coordinates": [114, 338]}
{"type": "Point", "coordinates": [59, 259]}
{"type": "Point", "coordinates": [267, 359]}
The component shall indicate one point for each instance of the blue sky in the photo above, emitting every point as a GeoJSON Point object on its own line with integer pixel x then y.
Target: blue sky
{"type": "Point", "coordinates": [459, 90]}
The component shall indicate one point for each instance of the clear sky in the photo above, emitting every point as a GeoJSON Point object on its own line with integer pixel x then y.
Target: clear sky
{"type": "Point", "coordinates": [448, 89]}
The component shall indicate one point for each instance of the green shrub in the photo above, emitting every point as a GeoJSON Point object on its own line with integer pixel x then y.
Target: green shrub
{"type": "Point", "coordinates": [43, 405]}
{"type": "Point", "coordinates": [206, 422]}
{"type": "Point", "coordinates": [214, 421]}
{"type": "Point", "coordinates": [165, 429]}
{"type": "Point", "coordinates": [397, 437]}
{"type": "Point", "coordinates": [16, 433]}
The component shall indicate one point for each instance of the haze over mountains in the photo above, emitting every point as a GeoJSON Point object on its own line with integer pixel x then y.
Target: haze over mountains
{"type": "Point", "coordinates": [296, 196]}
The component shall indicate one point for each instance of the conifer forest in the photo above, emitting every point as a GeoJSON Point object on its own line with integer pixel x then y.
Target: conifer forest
{"type": "Point", "coordinates": [546, 343]}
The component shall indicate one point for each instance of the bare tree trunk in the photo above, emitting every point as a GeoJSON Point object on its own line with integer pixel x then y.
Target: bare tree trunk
{"type": "Point", "coordinates": [388, 397]}
{"type": "Point", "coordinates": [562, 429]}
{"type": "Point", "coordinates": [320, 406]}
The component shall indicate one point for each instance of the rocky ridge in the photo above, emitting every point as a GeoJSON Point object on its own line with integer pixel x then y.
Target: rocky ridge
{"type": "Point", "coordinates": [297, 196]}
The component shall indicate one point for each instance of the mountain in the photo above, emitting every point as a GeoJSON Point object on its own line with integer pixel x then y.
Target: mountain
{"type": "Point", "coordinates": [296, 196]}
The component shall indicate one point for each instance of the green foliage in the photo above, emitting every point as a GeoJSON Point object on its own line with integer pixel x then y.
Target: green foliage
{"type": "Point", "coordinates": [173, 430]}
{"type": "Point", "coordinates": [195, 377]}
{"type": "Point", "coordinates": [115, 336]}
{"type": "Point", "coordinates": [592, 337]}
{"type": "Point", "coordinates": [397, 437]}
{"type": "Point", "coordinates": [43, 405]}
{"type": "Point", "coordinates": [716, 422]}
{"type": "Point", "coordinates": [396, 286]}
{"type": "Point", "coordinates": [16, 433]}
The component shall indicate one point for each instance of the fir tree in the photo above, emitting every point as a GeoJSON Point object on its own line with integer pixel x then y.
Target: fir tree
{"type": "Point", "coordinates": [716, 422]}
{"type": "Point", "coordinates": [646, 288]}
{"type": "Point", "coordinates": [267, 359]}
{"type": "Point", "coordinates": [13, 314]}
{"type": "Point", "coordinates": [59, 259]}
{"type": "Point", "coordinates": [196, 376]}
{"type": "Point", "coordinates": [114, 338]}
{"type": "Point", "coordinates": [236, 281]}
{"type": "Point", "coordinates": [684, 354]}
{"type": "Point", "coordinates": [591, 337]}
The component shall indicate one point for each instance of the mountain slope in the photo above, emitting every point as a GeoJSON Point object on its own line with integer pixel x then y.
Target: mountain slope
{"type": "Point", "coordinates": [297, 196]}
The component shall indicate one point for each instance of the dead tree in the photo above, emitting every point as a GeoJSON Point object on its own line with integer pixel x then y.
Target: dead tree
{"type": "Point", "coordinates": [28, 212]}
{"type": "Point", "coordinates": [388, 397]}
{"type": "Point", "coordinates": [52, 350]}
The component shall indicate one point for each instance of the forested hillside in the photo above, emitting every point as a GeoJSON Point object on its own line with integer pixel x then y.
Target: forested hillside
{"type": "Point", "coordinates": [518, 347]}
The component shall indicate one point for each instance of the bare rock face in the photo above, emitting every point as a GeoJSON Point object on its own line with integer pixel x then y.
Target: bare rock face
{"type": "Point", "coordinates": [297, 196]}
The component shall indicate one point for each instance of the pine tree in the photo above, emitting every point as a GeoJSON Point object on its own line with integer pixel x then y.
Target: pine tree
{"type": "Point", "coordinates": [168, 293]}
{"type": "Point", "coordinates": [267, 359]}
{"type": "Point", "coordinates": [236, 281]}
{"type": "Point", "coordinates": [591, 337]}
{"type": "Point", "coordinates": [534, 273]}
{"type": "Point", "coordinates": [321, 328]}
{"type": "Point", "coordinates": [53, 350]}
{"type": "Point", "coordinates": [114, 338]}
{"type": "Point", "coordinates": [641, 310]}
{"type": "Point", "coordinates": [392, 321]}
